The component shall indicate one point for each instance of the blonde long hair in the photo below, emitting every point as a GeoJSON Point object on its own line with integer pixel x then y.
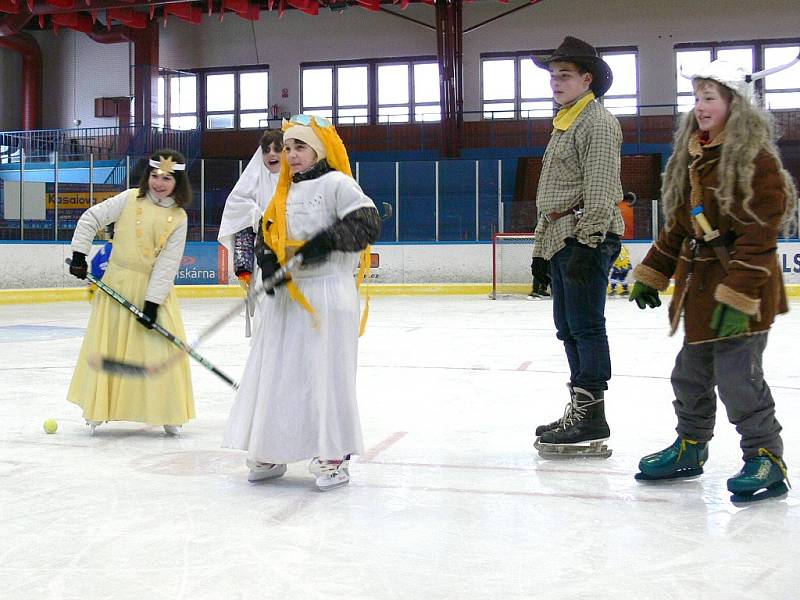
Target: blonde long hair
{"type": "Point", "coordinates": [748, 131]}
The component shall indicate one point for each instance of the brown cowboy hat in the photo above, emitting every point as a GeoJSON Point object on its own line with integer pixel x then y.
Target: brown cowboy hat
{"type": "Point", "coordinates": [579, 52]}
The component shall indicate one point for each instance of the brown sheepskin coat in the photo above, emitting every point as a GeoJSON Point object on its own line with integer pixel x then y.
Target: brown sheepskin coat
{"type": "Point", "coordinates": [753, 283]}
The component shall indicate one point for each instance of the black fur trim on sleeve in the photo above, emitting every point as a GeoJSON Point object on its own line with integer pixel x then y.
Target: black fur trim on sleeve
{"type": "Point", "coordinates": [357, 230]}
{"type": "Point", "coordinates": [243, 242]}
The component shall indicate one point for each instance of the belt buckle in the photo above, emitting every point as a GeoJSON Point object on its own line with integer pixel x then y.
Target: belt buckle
{"type": "Point", "coordinates": [578, 212]}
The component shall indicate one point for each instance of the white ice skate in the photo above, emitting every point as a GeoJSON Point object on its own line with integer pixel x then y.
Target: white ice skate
{"type": "Point", "coordinates": [173, 430]}
{"type": "Point", "coordinates": [92, 425]}
{"type": "Point", "coordinates": [262, 471]}
{"type": "Point", "coordinates": [315, 466]}
{"type": "Point", "coordinates": [332, 474]}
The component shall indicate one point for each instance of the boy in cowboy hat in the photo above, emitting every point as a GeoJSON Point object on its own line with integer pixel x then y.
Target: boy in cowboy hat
{"type": "Point", "coordinates": [578, 231]}
{"type": "Point", "coordinates": [725, 198]}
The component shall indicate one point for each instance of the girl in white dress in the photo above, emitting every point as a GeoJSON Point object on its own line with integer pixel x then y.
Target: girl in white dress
{"type": "Point", "coordinates": [247, 202]}
{"type": "Point", "coordinates": [297, 398]}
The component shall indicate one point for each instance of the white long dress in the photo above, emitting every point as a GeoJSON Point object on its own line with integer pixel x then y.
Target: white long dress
{"type": "Point", "coordinates": [297, 397]}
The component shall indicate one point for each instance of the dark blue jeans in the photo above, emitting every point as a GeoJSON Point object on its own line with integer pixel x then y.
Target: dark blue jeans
{"type": "Point", "coordinates": [579, 315]}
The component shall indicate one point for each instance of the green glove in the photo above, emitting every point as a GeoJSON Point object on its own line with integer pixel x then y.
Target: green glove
{"type": "Point", "coordinates": [728, 321]}
{"type": "Point", "coordinates": [644, 295]}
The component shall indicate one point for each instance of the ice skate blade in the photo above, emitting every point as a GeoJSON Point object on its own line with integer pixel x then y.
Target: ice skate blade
{"type": "Point", "coordinates": [685, 474]}
{"type": "Point", "coordinates": [592, 449]}
{"type": "Point", "coordinates": [327, 486]}
{"type": "Point", "coordinates": [777, 490]}
{"type": "Point", "coordinates": [259, 475]}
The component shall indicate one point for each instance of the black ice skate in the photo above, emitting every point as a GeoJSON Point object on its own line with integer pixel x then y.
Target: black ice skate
{"type": "Point", "coordinates": [581, 432]}
{"type": "Point", "coordinates": [567, 412]}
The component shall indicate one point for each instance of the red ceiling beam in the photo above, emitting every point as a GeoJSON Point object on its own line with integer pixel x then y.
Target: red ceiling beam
{"type": "Point", "coordinates": [11, 7]}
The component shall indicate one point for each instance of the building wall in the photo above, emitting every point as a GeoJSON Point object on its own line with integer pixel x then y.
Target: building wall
{"type": "Point", "coordinates": [10, 100]}
{"type": "Point", "coordinates": [76, 70]}
{"type": "Point", "coordinates": [651, 25]}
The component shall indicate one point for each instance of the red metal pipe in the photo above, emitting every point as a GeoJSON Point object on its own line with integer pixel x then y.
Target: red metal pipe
{"type": "Point", "coordinates": [26, 45]}
{"type": "Point", "coordinates": [11, 24]}
{"type": "Point", "coordinates": [116, 35]}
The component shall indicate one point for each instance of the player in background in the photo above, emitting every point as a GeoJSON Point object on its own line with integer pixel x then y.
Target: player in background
{"type": "Point", "coordinates": [540, 272]}
{"type": "Point", "coordinates": [619, 273]}
{"type": "Point", "coordinates": [726, 197]}
{"type": "Point", "coordinates": [99, 262]}
{"type": "Point", "coordinates": [626, 210]}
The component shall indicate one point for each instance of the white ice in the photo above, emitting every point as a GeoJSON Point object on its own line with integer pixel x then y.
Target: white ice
{"type": "Point", "coordinates": [450, 501]}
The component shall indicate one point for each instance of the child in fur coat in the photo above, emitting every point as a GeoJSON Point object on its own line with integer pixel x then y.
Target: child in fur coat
{"type": "Point", "coordinates": [726, 198]}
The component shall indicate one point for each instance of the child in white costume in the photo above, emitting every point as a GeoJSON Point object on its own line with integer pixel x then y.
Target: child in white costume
{"type": "Point", "coordinates": [297, 397]}
{"type": "Point", "coordinates": [247, 202]}
{"type": "Point", "coordinates": [149, 238]}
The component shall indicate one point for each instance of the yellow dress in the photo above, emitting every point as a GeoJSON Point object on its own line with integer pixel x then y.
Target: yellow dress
{"type": "Point", "coordinates": [139, 235]}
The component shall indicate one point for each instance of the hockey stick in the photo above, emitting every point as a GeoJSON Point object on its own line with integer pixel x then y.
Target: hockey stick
{"type": "Point", "coordinates": [247, 328]}
{"type": "Point", "coordinates": [253, 295]}
{"type": "Point", "coordinates": [116, 367]}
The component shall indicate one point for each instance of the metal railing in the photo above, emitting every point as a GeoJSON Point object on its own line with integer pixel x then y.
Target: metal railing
{"type": "Point", "coordinates": [101, 143]}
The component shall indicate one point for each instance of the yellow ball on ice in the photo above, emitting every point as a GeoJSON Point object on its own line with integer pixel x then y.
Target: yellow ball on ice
{"type": "Point", "coordinates": [51, 425]}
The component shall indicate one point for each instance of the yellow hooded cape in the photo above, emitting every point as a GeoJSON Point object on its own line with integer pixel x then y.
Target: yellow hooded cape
{"type": "Point", "coordinates": [276, 235]}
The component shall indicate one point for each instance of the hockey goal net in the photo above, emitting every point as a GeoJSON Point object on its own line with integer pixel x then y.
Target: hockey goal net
{"type": "Point", "coordinates": [511, 264]}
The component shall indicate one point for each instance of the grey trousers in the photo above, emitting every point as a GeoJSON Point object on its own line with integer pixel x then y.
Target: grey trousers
{"type": "Point", "coordinates": [733, 367]}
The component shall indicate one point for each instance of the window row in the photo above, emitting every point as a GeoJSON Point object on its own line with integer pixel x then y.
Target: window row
{"type": "Point", "coordinates": [396, 91]}
{"type": "Point", "coordinates": [232, 99]}
{"type": "Point", "coordinates": [407, 90]}
{"type": "Point", "coordinates": [512, 86]}
{"type": "Point", "coordinates": [780, 91]}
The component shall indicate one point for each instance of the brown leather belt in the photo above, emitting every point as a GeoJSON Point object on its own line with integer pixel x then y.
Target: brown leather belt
{"type": "Point", "coordinates": [555, 216]}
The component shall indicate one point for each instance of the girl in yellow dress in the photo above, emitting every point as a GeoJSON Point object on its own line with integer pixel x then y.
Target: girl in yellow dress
{"type": "Point", "coordinates": [149, 238]}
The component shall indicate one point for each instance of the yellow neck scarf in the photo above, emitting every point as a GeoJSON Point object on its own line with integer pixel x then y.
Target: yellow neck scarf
{"type": "Point", "coordinates": [567, 115]}
{"type": "Point", "coordinates": [276, 236]}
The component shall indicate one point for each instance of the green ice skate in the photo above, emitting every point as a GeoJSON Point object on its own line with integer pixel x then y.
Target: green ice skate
{"type": "Point", "coordinates": [763, 476]}
{"type": "Point", "coordinates": [684, 458]}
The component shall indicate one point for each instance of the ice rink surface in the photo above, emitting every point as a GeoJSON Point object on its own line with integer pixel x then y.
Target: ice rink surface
{"type": "Point", "coordinates": [450, 501]}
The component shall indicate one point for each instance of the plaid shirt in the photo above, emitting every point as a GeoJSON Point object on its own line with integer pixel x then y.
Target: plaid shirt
{"type": "Point", "coordinates": [581, 165]}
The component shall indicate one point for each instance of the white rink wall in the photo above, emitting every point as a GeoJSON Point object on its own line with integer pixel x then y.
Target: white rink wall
{"type": "Point", "coordinates": [42, 265]}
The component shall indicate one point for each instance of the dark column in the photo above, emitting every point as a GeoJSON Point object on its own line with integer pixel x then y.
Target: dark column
{"type": "Point", "coordinates": [145, 79]}
{"type": "Point", "coordinates": [449, 44]}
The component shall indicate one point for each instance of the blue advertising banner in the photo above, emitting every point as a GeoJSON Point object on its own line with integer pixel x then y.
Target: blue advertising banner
{"type": "Point", "coordinates": [203, 263]}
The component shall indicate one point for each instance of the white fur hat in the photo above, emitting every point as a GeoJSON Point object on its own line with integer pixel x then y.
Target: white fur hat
{"type": "Point", "coordinates": [734, 77]}
{"type": "Point", "coordinates": [306, 134]}
{"type": "Point", "coordinates": [728, 74]}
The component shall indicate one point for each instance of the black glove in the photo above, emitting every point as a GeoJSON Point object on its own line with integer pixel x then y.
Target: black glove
{"type": "Point", "coordinates": [540, 269]}
{"type": "Point", "coordinates": [150, 311]}
{"type": "Point", "coordinates": [266, 260]}
{"type": "Point", "coordinates": [317, 248]}
{"type": "Point", "coordinates": [78, 266]}
{"type": "Point", "coordinates": [581, 262]}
